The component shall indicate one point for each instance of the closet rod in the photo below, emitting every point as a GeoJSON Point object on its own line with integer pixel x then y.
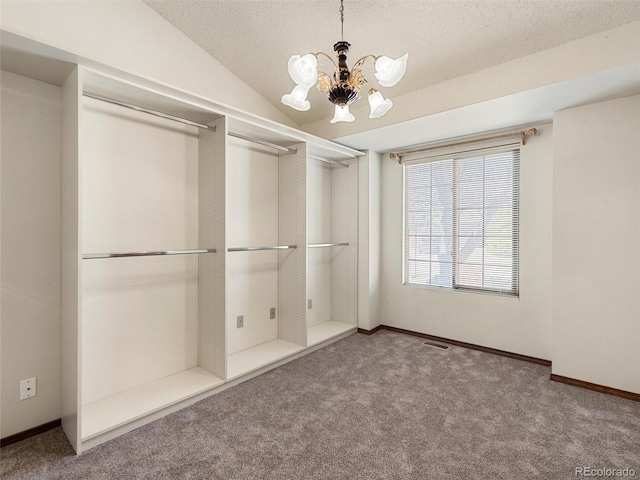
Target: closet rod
{"type": "Point", "coordinates": [320, 245]}
{"type": "Point", "coordinates": [326, 160]}
{"type": "Point", "coordinates": [262, 142]}
{"type": "Point", "coordinates": [253, 249]}
{"type": "Point", "coordinates": [91, 256]}
{"type": "Point", "coordinates": [150, 112]}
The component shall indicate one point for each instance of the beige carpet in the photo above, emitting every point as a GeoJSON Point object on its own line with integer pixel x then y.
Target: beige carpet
{"type": "Point", "coordinates": [384, 406]}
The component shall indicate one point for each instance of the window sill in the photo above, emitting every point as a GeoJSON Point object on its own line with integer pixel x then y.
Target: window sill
{"type": "Point", "coordinates": [515, 296]}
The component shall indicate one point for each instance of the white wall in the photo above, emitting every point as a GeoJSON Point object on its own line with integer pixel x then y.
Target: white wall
{"type": "Point", "coordinates": [30, 255]}
{"type": "Point", "coordinates": [596, 253]}
{"type": "Point", "coordinates": [132, 37]}
{"type": "Point", "coordinates": [369, 240]}
{"type": "Point", "coordinates": [520, 325]}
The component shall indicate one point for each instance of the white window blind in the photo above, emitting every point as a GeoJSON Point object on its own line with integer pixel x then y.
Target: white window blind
{"type": "Point", "coordinates": [462, 220]}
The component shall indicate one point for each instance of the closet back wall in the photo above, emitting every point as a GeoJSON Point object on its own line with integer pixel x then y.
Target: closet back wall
{"type": "Point", "coordinates": [140, 193]}
{"type": "Point", "coordinates": [30, 250]}
{"type": "Point", "coordinates": [252, 220]}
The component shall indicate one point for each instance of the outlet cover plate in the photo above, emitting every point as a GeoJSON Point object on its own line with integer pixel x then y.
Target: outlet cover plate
{"type": "Point", "coordinates": [272, 313]}
{"type": "Point", "coordinates": [240, 321]}
{"type": "Point", "coordinates": [27, 388]}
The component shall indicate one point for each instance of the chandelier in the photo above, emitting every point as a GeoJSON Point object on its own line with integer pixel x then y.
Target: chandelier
{"type": "Point", "coordinates": [345, 86]}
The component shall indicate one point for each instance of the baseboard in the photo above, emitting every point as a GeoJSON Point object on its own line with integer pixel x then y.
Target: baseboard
{"type": "Point", "coordinates": [370, 332]}
{"type": "Point", "coordinates": [17, 437]}
{"type": "Point", "coordinates": [595, 387]}
{"type": "Point", "coordinates": [495, 351]}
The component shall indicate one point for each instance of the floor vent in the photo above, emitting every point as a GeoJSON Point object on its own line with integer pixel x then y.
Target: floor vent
{"type": "Point", "coordinates": [437, 345]}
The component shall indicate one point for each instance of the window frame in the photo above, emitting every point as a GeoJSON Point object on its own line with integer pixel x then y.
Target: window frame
{"type": "Point", "coordinates": [481, 149]}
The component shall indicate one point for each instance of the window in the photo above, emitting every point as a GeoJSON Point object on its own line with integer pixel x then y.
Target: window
{"type": "Point", "coordinates": [462, 219]}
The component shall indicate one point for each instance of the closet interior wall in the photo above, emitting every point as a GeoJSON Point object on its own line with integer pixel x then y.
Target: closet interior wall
{"type": "Point", "coordinates": [252, 220]}
{"type": "Point", "coordinates": [332, 254]}
{"type": "Point", "coordinates": [265, 209]}
{"type": "Point", "coordinates": [139, 193]}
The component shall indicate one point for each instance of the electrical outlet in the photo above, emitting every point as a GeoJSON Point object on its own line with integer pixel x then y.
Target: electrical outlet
{"type": "Point", "coordinates": [272, 313]}
{"type": "Point", "coordinates": [240, 321]}
{"type": "Point", "coordinates": [309, 304]}
{"type": "Point", "coordinates": [27, 388]}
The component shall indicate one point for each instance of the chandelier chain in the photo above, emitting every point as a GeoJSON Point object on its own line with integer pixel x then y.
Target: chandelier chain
{"type": "Point", "coordinates": [342, 20]}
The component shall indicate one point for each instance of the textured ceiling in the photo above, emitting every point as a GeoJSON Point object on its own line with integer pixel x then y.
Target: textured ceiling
{"type": "Point", "coordinates": [444, 39]}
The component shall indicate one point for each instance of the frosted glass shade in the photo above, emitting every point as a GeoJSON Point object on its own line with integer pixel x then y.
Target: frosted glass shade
{"type": "Point", "coordinates": [342, 115]}
{"type": "Point", "coordinates": [389, 71]}
{"type": "Point", "coordinates": [304, 69]}
{"type": "Point", "coordinates": [379, 106]}
{"type": "Point", "coordinates": [297, 98]}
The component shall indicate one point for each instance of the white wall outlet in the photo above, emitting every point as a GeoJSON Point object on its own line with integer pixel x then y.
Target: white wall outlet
{"type": "Point", "coordinates": [272, 313]}
{"type": "Point", "coordinates": [309, 304]}
{"type": "Point", "coordinates": [27, 388]}
{"type": "Point", "coordinates": [240, 321]}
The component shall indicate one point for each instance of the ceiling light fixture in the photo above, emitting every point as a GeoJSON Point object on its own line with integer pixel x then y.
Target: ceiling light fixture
{"type": "Point", "coordinates": [345, 87]}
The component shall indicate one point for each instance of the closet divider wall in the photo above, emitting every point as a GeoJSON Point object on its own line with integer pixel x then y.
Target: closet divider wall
{"type": "Point", "coordinates": [71, 262]}
{"type": "Point", "coordinates": [211, 231]}
{"type": "Point", "coordinates": [179, 216]}
{"type": "Point", "coordinates": [344, 228]}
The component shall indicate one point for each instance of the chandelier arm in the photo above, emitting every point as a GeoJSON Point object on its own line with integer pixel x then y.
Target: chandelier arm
{"type": "Point", "coordinates": [360, 62]}
{"type": "Point", "coordinates": [326, 55]}
{"type": "Point", "coordinates": [324, 83]}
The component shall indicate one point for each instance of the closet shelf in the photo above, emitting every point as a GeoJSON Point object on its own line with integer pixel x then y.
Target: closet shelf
{"type": "Point", "coordinates": [116, 410]}
{"type": "Point", "coordinates": [268, 247]}
{"type": "Point", "coordinates": [91, 256]}
{"type": "Point", "coordinates": [253, 358]}
{"type": "Point", "coordinates": [323, 331]}
{"type": "Point", "coordinates": [322, 245]}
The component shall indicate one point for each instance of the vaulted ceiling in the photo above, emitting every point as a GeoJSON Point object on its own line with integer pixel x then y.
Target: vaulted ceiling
{"type": "Point", "coordinates": [444, 39]}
